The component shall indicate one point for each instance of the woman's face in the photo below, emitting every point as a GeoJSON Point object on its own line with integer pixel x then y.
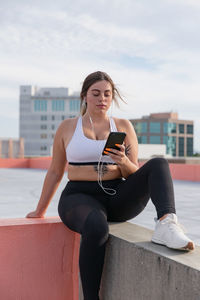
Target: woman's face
{"type": "Point", "coordinates": [99, 96]}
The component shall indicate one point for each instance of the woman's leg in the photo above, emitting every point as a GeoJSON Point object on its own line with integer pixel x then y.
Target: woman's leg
{"type": "Point", "coordinates": [84, 214]}
{"type": "Point", "coordinates": [152, 180]}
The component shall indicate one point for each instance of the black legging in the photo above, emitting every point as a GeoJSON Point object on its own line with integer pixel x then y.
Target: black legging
{"type": "Point", "coordinates": [85, 208]}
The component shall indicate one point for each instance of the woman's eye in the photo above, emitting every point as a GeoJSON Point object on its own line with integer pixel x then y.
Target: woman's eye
{"type": "Point", "coordinates": [105, 95]}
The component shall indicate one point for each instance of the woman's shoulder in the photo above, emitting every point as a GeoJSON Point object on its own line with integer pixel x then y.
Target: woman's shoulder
{"type": "Point", "coordinates": [66, 127]}
{"type": "Point", "coordinates": [66, 130]}
{"type": "Point", "coordinates": [68, 123]}
{"type": "Point", "coordinates": [122, 123]}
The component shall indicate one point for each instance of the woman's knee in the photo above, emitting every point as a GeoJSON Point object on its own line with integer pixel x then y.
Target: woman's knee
{"type": "Point", "coordinates": [96, 227]}
{"type": "Point", "coordinates": [158, 162]}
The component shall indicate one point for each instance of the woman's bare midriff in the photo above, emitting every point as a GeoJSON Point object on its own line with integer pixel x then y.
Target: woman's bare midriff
{"type": "Point", "coordinates": [89, 173]}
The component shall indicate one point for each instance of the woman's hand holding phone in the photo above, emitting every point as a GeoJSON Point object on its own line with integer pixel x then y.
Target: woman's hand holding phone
{"type": "Point", "coordinates": [114, 147]}
{"type": "Point", "coordinates": [118, 156]}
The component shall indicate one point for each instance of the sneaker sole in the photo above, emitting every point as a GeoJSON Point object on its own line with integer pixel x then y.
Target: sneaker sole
{"type": "Point", "coordinates": [188, 247]}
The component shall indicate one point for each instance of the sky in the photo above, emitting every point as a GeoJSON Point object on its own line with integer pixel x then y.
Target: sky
{"type": "Point", "coordinates": [149, 48]}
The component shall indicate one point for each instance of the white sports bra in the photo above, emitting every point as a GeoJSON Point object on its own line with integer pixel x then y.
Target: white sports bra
{"type": "Point", "coordinates": [84, 151]}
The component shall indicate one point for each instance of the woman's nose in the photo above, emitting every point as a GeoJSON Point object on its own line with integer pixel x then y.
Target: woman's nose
{"type": "Point", "coordinates": [101, 97]}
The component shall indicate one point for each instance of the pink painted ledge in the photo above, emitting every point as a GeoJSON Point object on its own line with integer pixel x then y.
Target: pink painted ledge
{"type": "Point", "coordinates": [179, 171]}
{"type": "Point", "coordinates": [32, 162]}
{"type": "Point", "coordinates": [38, 262]}
{"type": "Point", "coordinates": [185, 172]}
{"type": "Point", "coordinates": [189, 172]}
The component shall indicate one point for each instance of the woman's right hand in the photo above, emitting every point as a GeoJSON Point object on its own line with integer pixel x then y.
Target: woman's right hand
{"type": "Point", "coordinates": [35, 214]}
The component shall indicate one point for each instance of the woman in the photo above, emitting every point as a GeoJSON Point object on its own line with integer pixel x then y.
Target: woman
{"type": "Point", "coordinates": [118, 191]}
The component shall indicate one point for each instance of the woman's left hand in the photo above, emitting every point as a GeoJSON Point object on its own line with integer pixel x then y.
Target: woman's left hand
{"type": "Point", "coordinates": [119, 156]}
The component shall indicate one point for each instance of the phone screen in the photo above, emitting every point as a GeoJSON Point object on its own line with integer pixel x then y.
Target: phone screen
{"type": "Point", "coordinates": [114, 138]}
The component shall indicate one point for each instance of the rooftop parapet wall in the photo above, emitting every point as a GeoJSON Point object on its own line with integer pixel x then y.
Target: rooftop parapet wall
{"type": "Point", "coordinates": [185, 172]}
{"type": "Point", "coordinates": [33, 162]}
{"type": "Point", "coordinates": [179, 171]}
{"type": "Point", "coordinates": [39, 260]}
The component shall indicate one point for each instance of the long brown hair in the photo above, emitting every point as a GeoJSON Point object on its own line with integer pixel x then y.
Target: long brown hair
{"type": "Point", "coordinates": [90, 80]}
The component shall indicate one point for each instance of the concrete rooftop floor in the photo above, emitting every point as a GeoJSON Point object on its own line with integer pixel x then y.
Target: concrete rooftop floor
{"type": "Point", "coordinates": [20, 191]}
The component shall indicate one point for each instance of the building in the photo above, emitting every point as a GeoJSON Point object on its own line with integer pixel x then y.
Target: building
{"type": "Point", "coordinates": [41, 112]}
{"type": "Point", "coordinates": [11, 148]}
{"type": "Point", "coordinates": [166, 128]}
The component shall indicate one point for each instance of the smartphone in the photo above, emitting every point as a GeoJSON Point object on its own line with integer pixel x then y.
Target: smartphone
{"type": "Point", "coordinates": [114, 138]}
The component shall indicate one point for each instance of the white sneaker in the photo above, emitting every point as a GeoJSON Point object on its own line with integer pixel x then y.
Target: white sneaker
{"type": "Point", "coordinates": [168, 232]}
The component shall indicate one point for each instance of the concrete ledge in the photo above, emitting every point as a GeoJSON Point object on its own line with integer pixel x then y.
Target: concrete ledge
{"type": "Point", "coordinates": [39, 260]}
{"type": "Point", "coordinates": [137, 269]}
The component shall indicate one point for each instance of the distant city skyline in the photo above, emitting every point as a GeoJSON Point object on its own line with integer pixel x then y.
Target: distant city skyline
{"type": "Point", "coordinates": [149, 48]}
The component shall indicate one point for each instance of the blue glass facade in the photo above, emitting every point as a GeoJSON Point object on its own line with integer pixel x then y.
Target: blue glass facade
{"type": "Point", "coordinates": [154, 139]}
{"type": "Point", "coordinates": [58, 105]}
{"type": "Point", "coordinates": [169, 127]}
{"type": "Point", "coordinates": [141, 127]}
{"type": "Point", "coordinates": [170, 142]}
{"type": "Point", "coordinates": [189, 146]}
{"type": "Point", "coordinates": [181, 128]}
{"type": "Point", "coordinates": [40, 105]}
{"type": "Point", "coordinates": [154, 127]}
{"type": "Point", "coordinates": [189, 129]}
{"type": "Point", "coordinates": [181, 146]}
{"type": "Point", "coordinates": [142, 139]}
{"type": "Point", "coordinates": [74, 105]}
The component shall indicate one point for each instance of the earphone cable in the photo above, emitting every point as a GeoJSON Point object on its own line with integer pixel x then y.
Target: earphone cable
{"type": "Point", "coordinates": [108, 191]}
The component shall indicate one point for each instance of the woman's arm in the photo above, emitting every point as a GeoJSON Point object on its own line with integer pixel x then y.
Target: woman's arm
{"type": "Point", "coordinates": [127, 157]}
{"type": "Point", "coordinates": [54, 175]}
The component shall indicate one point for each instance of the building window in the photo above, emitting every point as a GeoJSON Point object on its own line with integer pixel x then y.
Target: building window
{"type": "Point", "coordinates": [52, 118]}
{"type": "Point", "coordinates": [74, 105]}
{"type": "Point", "coordinates": [142, 139]}
{"type": "Point", "coordinates": [154, 127]}
{"type": "Point", "coordinates": [40, 105]}
{"type": "Point", "coordinates": [189, 146]}
{"type": "Point", "coordinates": [140, 127]}
{"type": "Point", "coordinates": [181, 146]}
{"type": "Point", "coordinates": [52, 136]}
{"type": "Point", "coordinates": [169, 127]}
{"type": "Point", "coordinates": [43, 118]}
{"type": "Point", "coordinates": [52, 127]}
{"type": "Point", "coordinates": [170, 142]}
{"type": "Point", "coordinates": [43, 127]}
{"type": "Point", "coordinates": [43, 148]}
{"type": "Point", "coordinates": [63, 117]}
{"type": "Point", "coordinates": [58, 105]}
{"type": "Point", "coordinates": [189, 129]}
{"type": "Point", "coordinates": [181, 128]}
{"type": "Point", "coordinates": [43, 136]}
{"type": "Point", "coordinates": [154, 139]}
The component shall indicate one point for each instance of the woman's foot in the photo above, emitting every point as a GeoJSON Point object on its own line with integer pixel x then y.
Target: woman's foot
{"type": "Point", "coordinates": [168, 232]}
